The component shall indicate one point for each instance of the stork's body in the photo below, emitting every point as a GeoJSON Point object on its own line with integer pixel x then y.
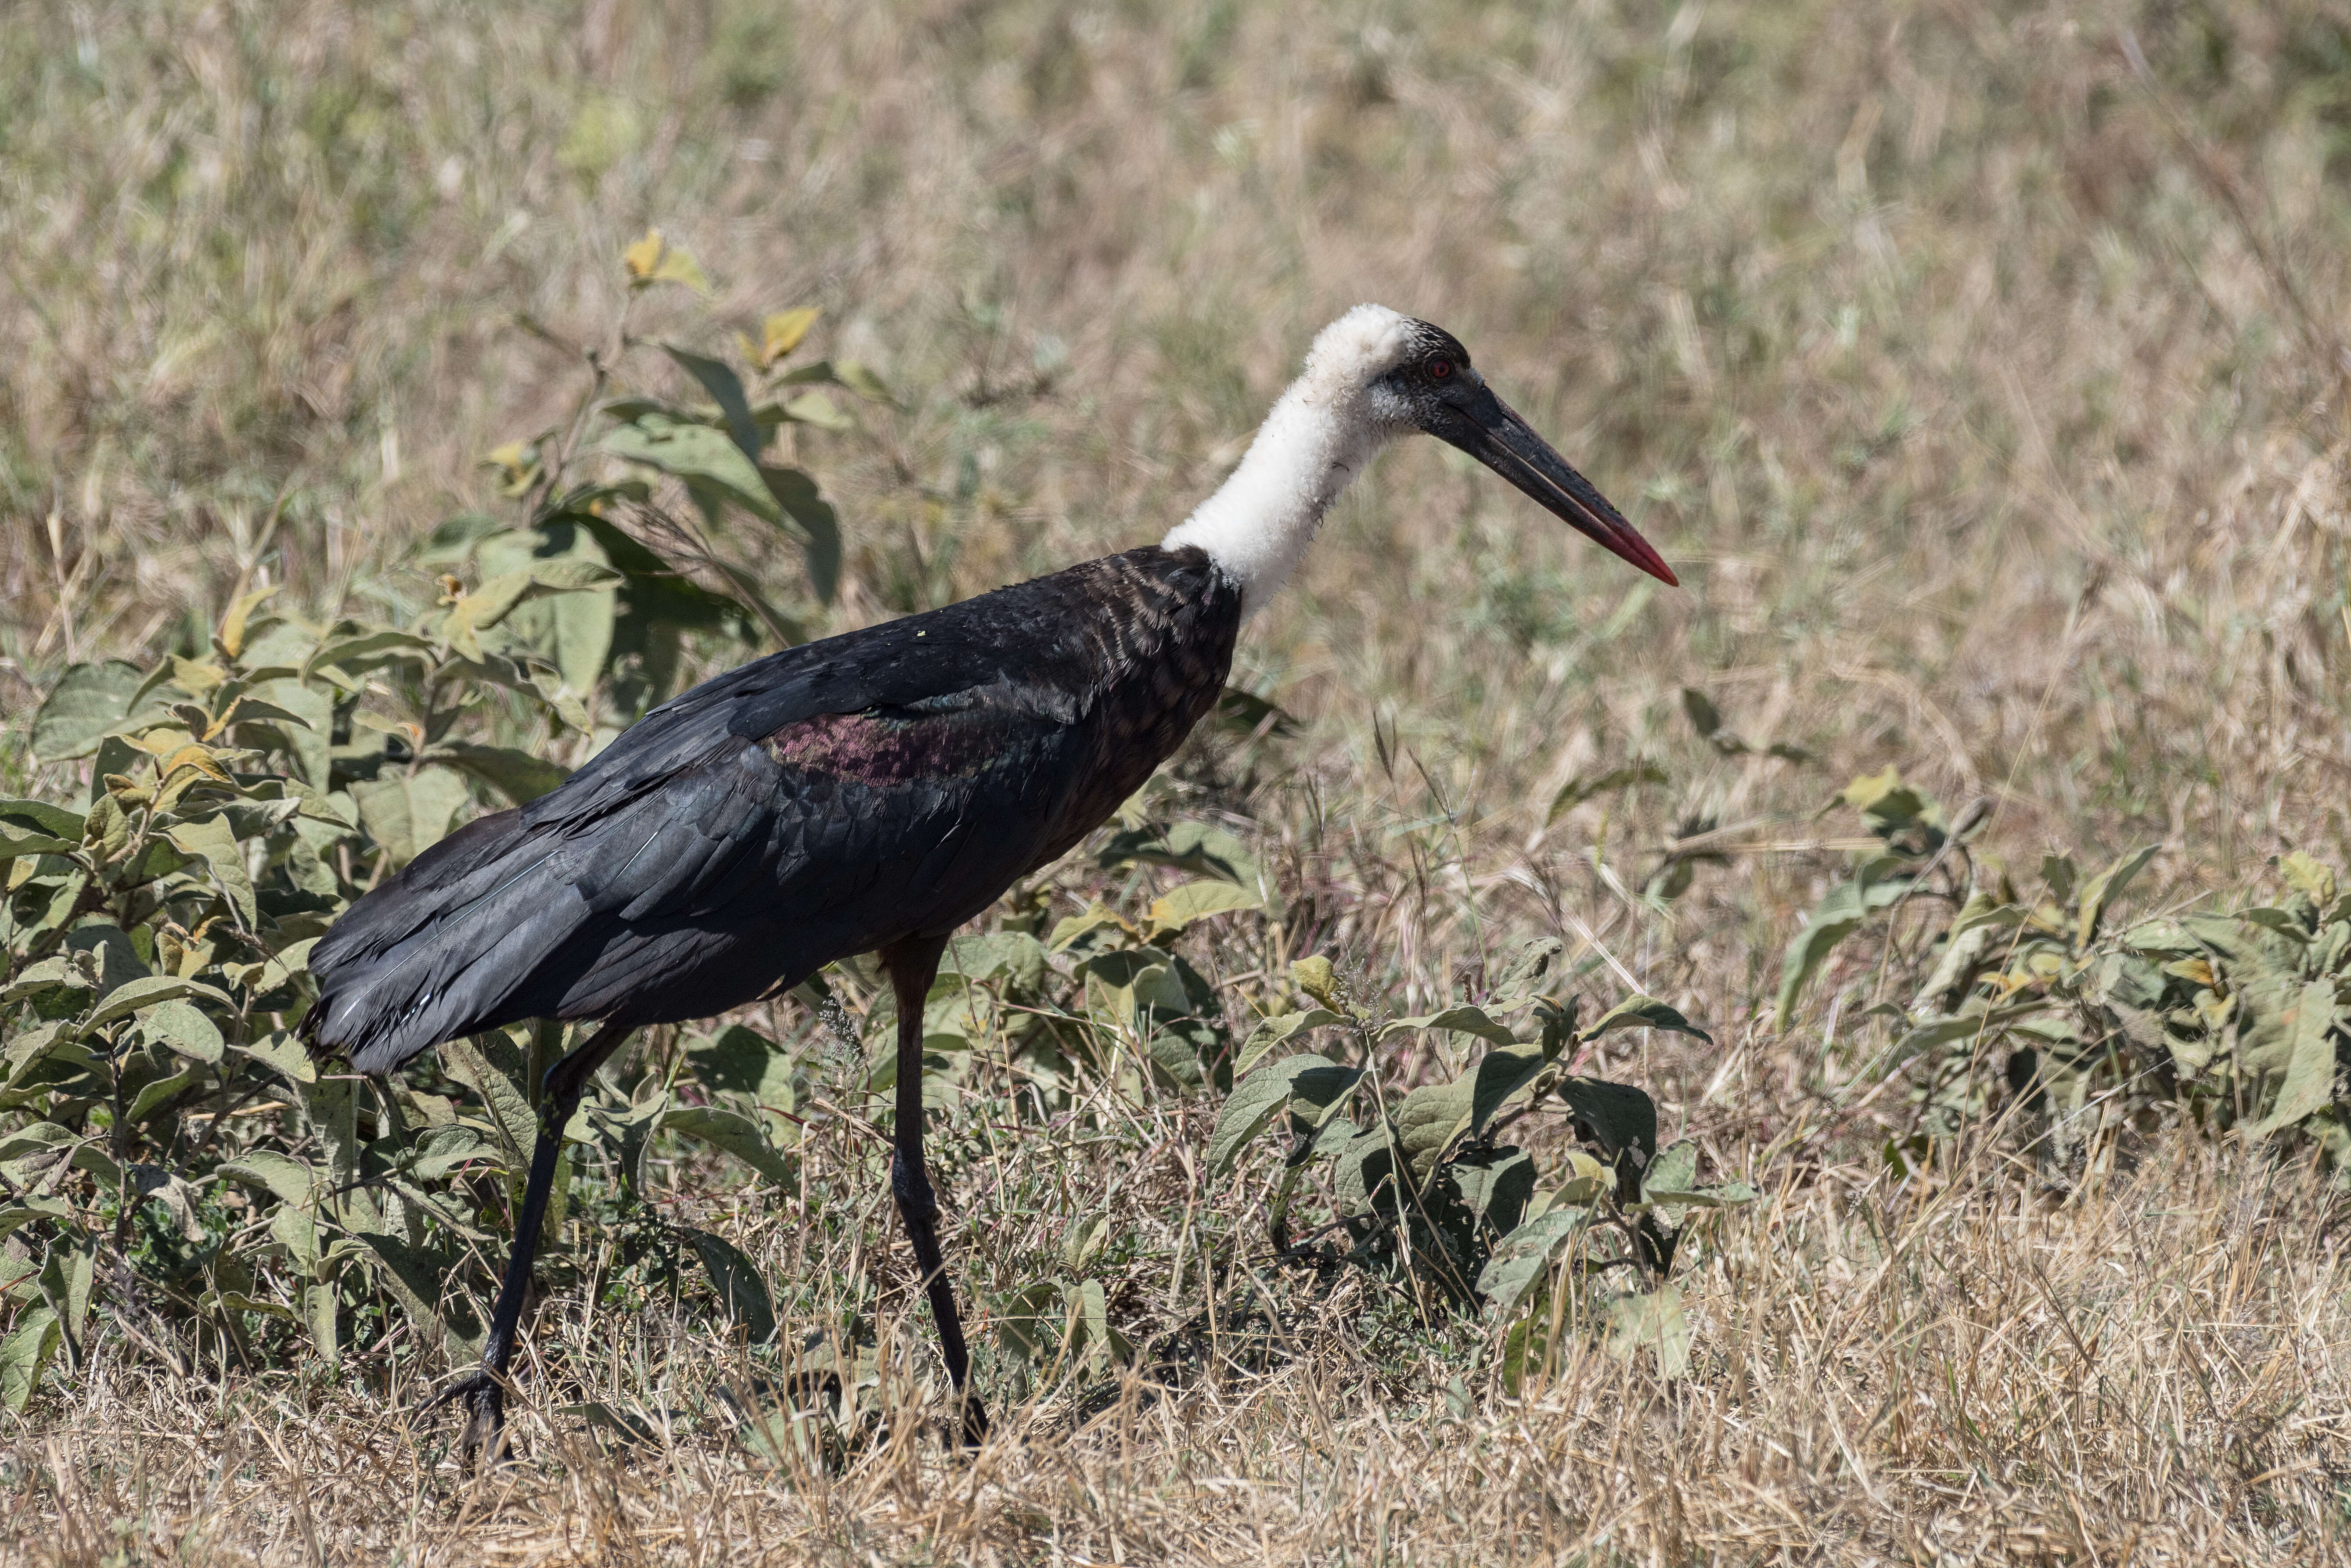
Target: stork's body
{"type": "Point", "coordinates": [874, 791]}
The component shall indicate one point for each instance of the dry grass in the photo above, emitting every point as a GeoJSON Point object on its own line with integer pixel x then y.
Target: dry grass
{"type": "Point", "coordinates": [1987, 396]}
{"type": "Point", "coordinates": [2156, 1370]}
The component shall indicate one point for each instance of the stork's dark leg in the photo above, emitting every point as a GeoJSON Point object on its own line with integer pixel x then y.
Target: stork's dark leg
{"type": "Point", "coordinates": [912, 964]}
{"type": "Point", "coordinates": [484, 1391]}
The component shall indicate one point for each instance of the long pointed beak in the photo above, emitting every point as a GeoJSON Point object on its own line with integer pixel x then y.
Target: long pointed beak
{"type": "Point", "coordinates": [1491, 431]}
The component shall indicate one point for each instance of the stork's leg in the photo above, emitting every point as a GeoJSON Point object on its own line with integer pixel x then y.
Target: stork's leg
{"type": "Point", "coordinates": [912, 964]}
{"type": "Point", "coordinates": [484, 1391]}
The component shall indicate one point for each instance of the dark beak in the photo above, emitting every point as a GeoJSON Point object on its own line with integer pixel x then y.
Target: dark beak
{"type": "Point", "coordinates": [1490, 430]}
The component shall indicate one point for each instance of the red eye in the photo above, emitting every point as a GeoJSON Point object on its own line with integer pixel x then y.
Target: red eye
{"type": "Point", "coordinates": [1439, 369]}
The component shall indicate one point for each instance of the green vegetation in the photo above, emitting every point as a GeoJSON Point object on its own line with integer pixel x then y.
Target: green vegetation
{"type": "Point", "coordinates": [1501, 1093]}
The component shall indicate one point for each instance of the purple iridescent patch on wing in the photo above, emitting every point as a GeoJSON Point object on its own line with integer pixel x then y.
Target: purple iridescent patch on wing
{"type": "Point", "coordinates": [889, 749]}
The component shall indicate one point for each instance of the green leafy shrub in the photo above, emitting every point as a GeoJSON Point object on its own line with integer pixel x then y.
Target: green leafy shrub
{"type": "Point", "coordinates": [1428, 1189]}
{"type": "Point", "coordinates": [2238, 1020]}
{"type": "Point", "coordinates": [166, 1145]}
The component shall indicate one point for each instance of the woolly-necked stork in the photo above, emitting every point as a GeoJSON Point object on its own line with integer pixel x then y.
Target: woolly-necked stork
{"type": "Point", "coordinates": [872, 791]}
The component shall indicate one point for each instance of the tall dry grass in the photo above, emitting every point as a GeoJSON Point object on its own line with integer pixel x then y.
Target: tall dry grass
{"type": "Point", "coordinates": [1987, 393]}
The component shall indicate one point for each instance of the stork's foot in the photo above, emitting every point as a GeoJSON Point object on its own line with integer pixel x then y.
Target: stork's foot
{"type": "Point", "coordinates": [974, 1421]}
{"type": "Point", "coordinates": [484, 1395]}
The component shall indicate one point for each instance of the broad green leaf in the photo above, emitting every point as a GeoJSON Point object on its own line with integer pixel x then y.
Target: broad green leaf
{"type": "Point", "coordinates": [444, 1149]}
{"type": "Point", "coordinates": [742, 1294]}
{"type": "Point", "coordinates": [280, 1051]}
{"type": "Point", "coordinates": [1653, 1319]}
{"type": "Point", "coordinates": [517, 774]}
{"type": "Point", "coordinates": [1012, 958]}
{"type": "Point", "coordinates": [31, 1209]}
{"type": "Point", "coordinates": [1317, 1091]}
{"type": "Point", "coordinates": [155, 1184]}
{"type": "Point", "coordinates": [1196, 847]}
{"type": "Point", "coordinates": [1886, 803]}
{"type": "Point", "coordinates": [408, 813]}
{"type": "Point", "coordinates": [1198, 901]}
{"type": "Point", "coordinates": [819, 526]}
{"type": "Point", "coordinates": [737, 1135]}
{"type": "Point", "coordinates": [233, 624]}
{"type": "Point", "coordinates": [1990, 1023]}
{"type": "Point", "coordinates": [25, 1353]}
{"type": "Point", "coordinates": [740, 1060]}
{"type": "Point", "coordinates": [213, 842]}
{"type": "Point", "coordinates": [417, 1277]}
{"type": "Point", "coordinates": [726, 388]}
{"type": "Point", "coordinates": [1840, 914]}
{"type": "Point", "coordinates": [1244, 713]}
{"type": "Point", "coordinates": [40, 817]}
{"type": "Point", "coordinates": [1030, 1320]}
{"type": "Point", "coordinates": [38, 1138]}
{"type": "Point", "coordinates": [817, 409]}
{"type": "Point", "coordinates": [66, 1281]}
{"type": "Point", "coordinates": [2307, 1084]}
{"type": "Point", "coordinates": [1644, 1012]}
{"type": "Point", "coordinates": [862, 379]}
{"type": "Point", "coordinates": [293, 1228]}
{"type": "Point", "coordinates": [84, 708]}
{"type": "Point", "coordinates": [1070, 928]}
{"type": "Point", "coordinates": [286, 1177]}
{"type": "Point", "coordinates": [1582, 788]}
{"type": "Point", "coordinates": [2105, 887]}
{"type": "Point", "coordinates": [1461, 1019]}
{"type": "Point", "coordinates": [1620, 1116]}
{"type": "Point", "coordinates": [1363, 1166]}
{"type": "Point", "coordinates": [1083, 1242]}
{"type": "Point", "coordinates": [128, 998]}
{"type": "Point", "coordinates": [1675, 1169]}
{"type": "Point", "coordinates": [318, 1309]}
{"type": "Point", "coordinates": [16, 842]}
{"type": "Point", "coordinates": [1427, 1121]}
{"type": "Point", "coordinates": [492, 1067]}
{"type": "Point", "coordinates": [93, 1158]}
{"type": "Point", "coordinates": [312, 740]}
{"type": "Point", "coordinates": [699, 456]}
{"type": "Point", "coordinates": [1500, 1077]}
{"type": "Point", "coordinates": [2304, 874]}
{"type": "Point", "coordinates": [366, 648]}
{"type": "Point", "coordinates": [1253, 1104]}
{"type": "Point", "coordinates": [1272, 1031]}
{"type": "Point", "coordinates": [160, 1091]}
{"type": "Point", "coordinates": [1522, 1259]}
{"type": "Point", "coordinates": [182, 1029]}
{"type": "Point", "coordinates": [1525, 975]}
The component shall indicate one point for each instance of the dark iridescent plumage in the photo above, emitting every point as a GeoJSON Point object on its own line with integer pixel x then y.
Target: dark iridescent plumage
{"type": "Point", "coordinates": [825, 801]}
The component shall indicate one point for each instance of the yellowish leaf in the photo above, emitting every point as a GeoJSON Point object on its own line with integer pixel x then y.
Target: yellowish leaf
{"type": "Point", "coordinates": [783, 331]}
{"type": "Point", "coordinates": [199, 759]}
{"type": "Point", "coordinates": [643, 257]}
{"type": "Point", "coordinates": [232, 629]}
{"type": "Point", "coordinates": [1314, 976]}
{"type": "Point", "coordinates": [654, 259]}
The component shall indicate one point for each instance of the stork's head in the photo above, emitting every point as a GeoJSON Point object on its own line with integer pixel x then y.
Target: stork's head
{"type": "Point", "coordinates": [1410, 375]}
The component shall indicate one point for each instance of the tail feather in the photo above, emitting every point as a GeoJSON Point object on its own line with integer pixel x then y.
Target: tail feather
{"type": "Point", "coordinates": [442, 948]}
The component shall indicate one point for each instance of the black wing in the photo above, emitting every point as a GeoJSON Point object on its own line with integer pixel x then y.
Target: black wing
{"type": "Point", "coordinates": [813, 804]}
{"type": "Point", "coordinates": [821, 801]}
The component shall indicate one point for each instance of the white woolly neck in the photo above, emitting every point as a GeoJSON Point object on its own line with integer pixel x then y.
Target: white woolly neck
{"type": "Point", "coordinates": [1320, 434]}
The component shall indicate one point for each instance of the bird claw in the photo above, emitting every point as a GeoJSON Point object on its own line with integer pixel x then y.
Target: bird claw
{"type": "Point", "coordinates": [975, 1422]}
{"type": "Point", "coordinates": [484, 1393]}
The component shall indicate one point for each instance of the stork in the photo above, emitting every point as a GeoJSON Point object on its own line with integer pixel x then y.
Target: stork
{"type": "Point", "coordinates": [871, 792]}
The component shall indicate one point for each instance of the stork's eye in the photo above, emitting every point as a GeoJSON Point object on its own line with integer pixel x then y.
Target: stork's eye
{"type": "Point", "coordinates": [1438, 368]}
